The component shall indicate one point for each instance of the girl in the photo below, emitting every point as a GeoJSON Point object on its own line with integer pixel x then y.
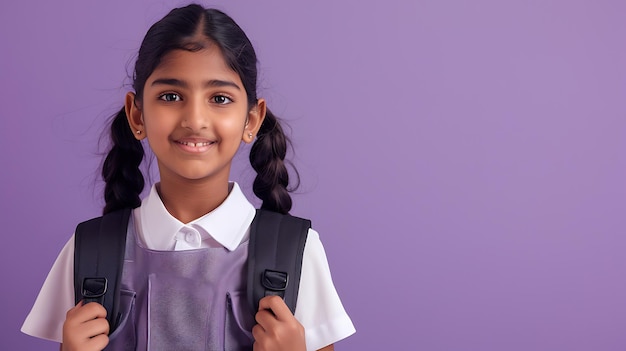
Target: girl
{"type": "Point", "coordinates": [194, 101]}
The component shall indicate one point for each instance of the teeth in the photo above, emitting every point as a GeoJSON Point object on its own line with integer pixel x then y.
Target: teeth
{"type": "Point", "coordinates": [194, 144]}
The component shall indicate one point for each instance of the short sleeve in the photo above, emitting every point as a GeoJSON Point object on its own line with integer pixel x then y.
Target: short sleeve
{"type": "Point", "coordinates": [319, 308]}
{"type": "Point", "coordinates": [55, 298]}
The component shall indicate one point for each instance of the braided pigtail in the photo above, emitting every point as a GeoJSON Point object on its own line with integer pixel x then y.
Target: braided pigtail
{"type": "Point", "coordinates": [124, 181]}
{"type": "Point", "coordinates": [267, 157]}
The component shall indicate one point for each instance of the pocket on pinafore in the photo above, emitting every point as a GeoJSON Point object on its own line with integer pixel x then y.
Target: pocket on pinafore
{"type": "Point", "coordinates": [239, 322]}
{"type": "Point", "coordinates": [124, 337]}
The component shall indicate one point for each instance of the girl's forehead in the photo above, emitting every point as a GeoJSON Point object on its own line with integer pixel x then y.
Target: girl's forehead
{"type": "Point", "coordinates": [203, 64]}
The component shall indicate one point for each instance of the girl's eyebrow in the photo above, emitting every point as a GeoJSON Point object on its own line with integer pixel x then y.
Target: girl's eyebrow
{"type": "Point", "coordinates": [183, 84]}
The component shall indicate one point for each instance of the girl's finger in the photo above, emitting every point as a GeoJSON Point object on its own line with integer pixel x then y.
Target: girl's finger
{"type": "Point", "coordinates": [95, 327]}
{"type": "Point", "coordinates": [89, 311]}
{"type": "Point", "coordinates": [257, 332]}
{"type": "Point", "coordinates": [265, 319]}
{"type": "Point", "coordinates": [99, 342]}
{"type": "Point", "coordinates": [276, 305]}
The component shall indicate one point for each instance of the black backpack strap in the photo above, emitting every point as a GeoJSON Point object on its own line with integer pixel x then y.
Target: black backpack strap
{"type": "Point", "coordinates": [99, 259]}
{"type": "Point", "coordinates": [275, 255]}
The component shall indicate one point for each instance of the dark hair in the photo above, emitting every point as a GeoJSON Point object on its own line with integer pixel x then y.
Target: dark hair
{"type": "Point", "coordinates": [177, 30]}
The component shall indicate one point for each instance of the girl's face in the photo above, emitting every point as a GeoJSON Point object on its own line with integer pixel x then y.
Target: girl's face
{"type": "Point", "coordinates": [194, 112]}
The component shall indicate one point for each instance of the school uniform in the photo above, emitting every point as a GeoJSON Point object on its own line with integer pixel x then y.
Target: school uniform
{"type": "Point", "coordinates": [219, 236]}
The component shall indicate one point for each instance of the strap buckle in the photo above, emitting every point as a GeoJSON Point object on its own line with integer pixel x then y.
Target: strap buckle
{"type": "Point", "coordinates": [275, 280]}
{"type": "Point", "coordinates": [93, 289]}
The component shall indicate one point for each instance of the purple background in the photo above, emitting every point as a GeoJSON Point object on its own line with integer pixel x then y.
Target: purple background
{"type": "Point", "coordinates": [464, 161]}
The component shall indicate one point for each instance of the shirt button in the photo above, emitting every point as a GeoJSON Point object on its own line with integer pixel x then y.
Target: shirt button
{"type": "Point", "coordinates": [192, 238]}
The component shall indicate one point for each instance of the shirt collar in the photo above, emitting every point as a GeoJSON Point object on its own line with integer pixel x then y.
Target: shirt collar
{"type": "Point", "coordinates": [227, 224]}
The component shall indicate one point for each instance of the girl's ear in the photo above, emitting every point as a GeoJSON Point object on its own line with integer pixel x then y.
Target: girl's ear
{"type": "Point", "coordinates": [256, 115]}
{"type": "Point", "coordinates": [134, 116]}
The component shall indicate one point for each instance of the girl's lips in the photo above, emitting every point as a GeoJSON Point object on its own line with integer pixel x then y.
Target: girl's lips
{"type": "Point", "coordinates": [194, 145]}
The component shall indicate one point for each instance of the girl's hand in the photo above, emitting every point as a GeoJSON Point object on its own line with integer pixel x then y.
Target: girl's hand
{"type": "Point", "coordinates": [277, 328]}
{"type": "Point", "coordinates": [85, 328]}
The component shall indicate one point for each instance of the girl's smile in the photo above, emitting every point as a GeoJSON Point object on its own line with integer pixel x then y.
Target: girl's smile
{"type": "Point", "coordinates": [194, 145]}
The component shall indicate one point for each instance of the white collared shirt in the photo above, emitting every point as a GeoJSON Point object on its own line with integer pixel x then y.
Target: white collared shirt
{"type": "Point", "coordinates": [319, 308]}
{"type": "Point", "coordinates": [227, 224]}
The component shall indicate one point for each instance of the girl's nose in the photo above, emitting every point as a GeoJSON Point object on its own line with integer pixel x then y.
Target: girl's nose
{"type": "Point", "coordinates": [195, 116]}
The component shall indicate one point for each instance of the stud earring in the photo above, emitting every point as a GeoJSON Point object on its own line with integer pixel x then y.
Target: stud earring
{"type": "Point", "coordinates": [138, 132]}
{"type": "Point", "coordinates": [250, 135]}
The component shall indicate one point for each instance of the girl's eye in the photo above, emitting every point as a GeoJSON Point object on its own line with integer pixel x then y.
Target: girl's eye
{"type": "Point", "coordinates": [170, 97]}
{"type": "Point", "coordinates": [222, 100]}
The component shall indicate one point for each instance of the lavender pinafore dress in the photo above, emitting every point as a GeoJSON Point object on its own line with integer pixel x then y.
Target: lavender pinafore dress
{"type": "Point", "coordinates": [183, 300]}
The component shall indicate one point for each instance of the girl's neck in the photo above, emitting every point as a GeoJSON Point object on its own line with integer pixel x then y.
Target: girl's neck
{"type": "Point", "coordinates": [189, 200]}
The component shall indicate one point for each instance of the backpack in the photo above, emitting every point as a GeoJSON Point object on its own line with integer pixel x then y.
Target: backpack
{"type": "Point", "coordinates": [275, 253]}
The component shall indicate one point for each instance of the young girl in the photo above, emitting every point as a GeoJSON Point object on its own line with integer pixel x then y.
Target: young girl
{"type": "Point", "coordinates": [194, 101]}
